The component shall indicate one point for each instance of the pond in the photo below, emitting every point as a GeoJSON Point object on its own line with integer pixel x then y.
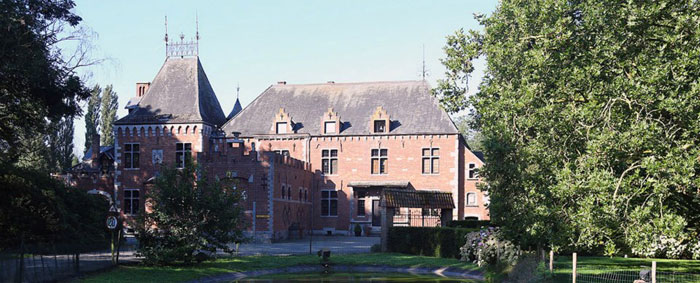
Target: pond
{"type": "Point", "coordinates": [351, 277]}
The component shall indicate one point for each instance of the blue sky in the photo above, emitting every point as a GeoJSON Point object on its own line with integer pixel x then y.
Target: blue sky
{"type": "Point", "coordinates": [257, 43]}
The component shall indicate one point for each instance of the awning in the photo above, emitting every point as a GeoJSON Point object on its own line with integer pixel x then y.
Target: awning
{"type": "Point", "coordinates": [386, 184]}
{"type": "Point", "coordinates": [417, 199]}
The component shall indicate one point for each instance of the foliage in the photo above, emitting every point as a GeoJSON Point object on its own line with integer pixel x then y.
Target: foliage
{"type": "Point", "coordinates": [358, 229]}
{"type": "Point", "coordinates": [60, 141]}
{"type": "Point", "coordinates": [466, 126]}
{"type": "Point", "coordinates": [37, 209]}
{"type": "Point", "coordinates": [181, 272]}
{"type": "Point", "coordinates": [472, 224]}
{"type": "Point", "coordinates": [92, 116]}
{"type": "Point", "coordinates": [108, 114]}
{"type": "Point", "coordinates": [427, 241]}
{"type": "Point", "coordinates": [188, 212]}
{"type": "Point", "coordinates": [487, 247]}
{"type": "Point", "coordinates": [37, 84]}
{"type": "Point", "coordinates": [590, 120]}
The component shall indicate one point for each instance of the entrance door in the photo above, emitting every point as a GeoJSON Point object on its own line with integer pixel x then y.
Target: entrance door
{"type": "Point", "coordinates": [376, 213]}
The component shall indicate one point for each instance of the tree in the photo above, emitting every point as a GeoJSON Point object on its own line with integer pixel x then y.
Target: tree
{"type": "Point", "coordinates": [37, 82]}
{"type": "Point", "coordinates": [591, 122]}
{"type": "Point", "coordinates": [60, 141]}
{"type": "Point", "coordinates": [188, 213]}
{"type": "Point", "coordinates": [465, 125]}
{"type": "Point", "coordinates": [92, 116]}
{"type": "Point", "coordinates": [108, 114]}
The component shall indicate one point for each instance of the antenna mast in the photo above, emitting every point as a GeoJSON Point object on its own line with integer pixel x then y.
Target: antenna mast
{"type": "Point", "coordinates": [238, 89]}
{"type": "Point", "coordinates": [424, 71]}
{"type": "Point", "coordinates": [166, 35]}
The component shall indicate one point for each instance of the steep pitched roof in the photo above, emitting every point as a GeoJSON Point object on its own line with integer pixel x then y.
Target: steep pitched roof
{"type": "Point", "coordinates": [180, 93]}
{"type": "Point", "coordinates": [236, 108]}
{"type": "Point", "coordinates": [412, 108]}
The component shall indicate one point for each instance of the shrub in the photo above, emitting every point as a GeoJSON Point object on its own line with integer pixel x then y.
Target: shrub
{"type": "Point", "coordinates": [472, 224]}
{"type": "Point", "coordinates": [190, 214]}
{"type": "Point", "coordinates": [488, 247]}
{"type": "Point", "coordinates": [427, 241]}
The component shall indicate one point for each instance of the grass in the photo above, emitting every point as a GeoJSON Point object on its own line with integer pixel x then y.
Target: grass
{"type": "Point", "coordinates": [591, 265]}
{"type": "Point", "coordinates": [179, 273]}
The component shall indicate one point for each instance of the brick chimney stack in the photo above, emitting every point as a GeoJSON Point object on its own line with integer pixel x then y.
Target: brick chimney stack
{"type": "Point", "coordinates": [141, 88]}
{"type": "Point", "coordinates": [95, 157]}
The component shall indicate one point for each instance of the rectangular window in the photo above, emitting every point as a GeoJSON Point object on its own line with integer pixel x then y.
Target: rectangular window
{"type": "Point", "coordinates": [473, 171]}
{"type": "Point", "coordinates": [379, 126]}
{"type": "Point", "coordinates": [131, 201]}
{"type": "Point", "coordinates": [131, 155]}
{"type": "Point", "coordinates": [380, 161]}
{"type": "Point", "coordinates": [183, 153]}
{"type": "Point", "coordinates": [431, 161]}
{"type": "Point", "coordinates": [329, 161]}
{"type": "Point", "coordinates": [282, 127]}
{"type": "Point", "coordinates": [329, 203]}
{"type": "Point", "coordinates": [329, 127]}
{"type": "Point", "coordinates": [471, 199]}
{"type": "Point", "coordinates": [360, 207]}
{"type": "Point", "coordinates": [282, 152]}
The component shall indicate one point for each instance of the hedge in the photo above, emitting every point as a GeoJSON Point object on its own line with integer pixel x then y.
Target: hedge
{"type": "Point", "coordinates": [469, 223]}
{"type": "Point", "coordinates": [428, 241]}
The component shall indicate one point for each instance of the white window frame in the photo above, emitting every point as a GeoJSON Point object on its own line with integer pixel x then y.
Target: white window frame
{"type": "Point", "coordinates": [131, 200]}
{"type": "Point", "coordinates": [329, 200]}
{"type": "Point", "coordinates": [475, 169]}
{"type": "Point", "coordinates": [330, 159]}
{"type": "Point", "coordinates": [283, 129]}
{"type": "Point", "coordinates": [430, 157]}
{"type": "Point", "coordinates": [181, 163]}
{"type": "Point", "coordinates": [379, 156]}
{"type": "Point", "coordinates": [131, 153]}
{"type": "Point", "coordinates": [476, 199]}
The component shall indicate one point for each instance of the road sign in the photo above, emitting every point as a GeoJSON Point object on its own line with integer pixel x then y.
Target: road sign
{"type": "Point", "coordinates": [111, 222]}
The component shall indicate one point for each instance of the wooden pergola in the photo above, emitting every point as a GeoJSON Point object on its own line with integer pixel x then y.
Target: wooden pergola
{"type": "Point", "coordinates": [391, 199]}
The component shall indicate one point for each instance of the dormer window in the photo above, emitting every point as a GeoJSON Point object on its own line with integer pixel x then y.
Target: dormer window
{"type": "Point", "coordinates": [379, 126]}
{"type": "Point", "coordinates": [281, 128]}
{"type": "Point", "coordinates": [329, 127]}
{"type": "Point", "coordinates": [282, 124]}
{"type": "Point", "coordinates": [330, 122]}
{"type": "Point", "coordinates": [380, 121]}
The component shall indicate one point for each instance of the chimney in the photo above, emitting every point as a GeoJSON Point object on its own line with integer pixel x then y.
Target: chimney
{"type": "Point", "coordinates": [141, 88]}
{"type": "Point", "coordinates": [282, 82]}
{"type": "Point", "coordinates": [95, 157]}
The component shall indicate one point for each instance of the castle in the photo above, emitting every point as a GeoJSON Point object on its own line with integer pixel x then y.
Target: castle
{"type": "Point", "coordinates": [309, 157]}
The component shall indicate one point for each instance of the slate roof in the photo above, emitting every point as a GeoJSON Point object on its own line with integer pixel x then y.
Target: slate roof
{"type": "Point", "coordinates": [105, 149]}
{"type": "Point", "coordinates": [479, 155]}
{"type": "Point", "coordinates": [236, 109]}
{"type": "Point", "coordinates": [412, 108]}
{"type": "Point", "coordinates": [417, 199]}
{"type": "Point", "coordinates": [180, 93]}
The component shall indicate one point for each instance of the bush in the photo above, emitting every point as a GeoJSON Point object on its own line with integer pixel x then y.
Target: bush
{"type": "Point", "coordinates": [190, 214]}
{"type": "Point", "coordinates": [434, 241]}
{"type": "Point", "coordinates": [472, 224]}
{"type": "Point", "coordinates": [488, 247]}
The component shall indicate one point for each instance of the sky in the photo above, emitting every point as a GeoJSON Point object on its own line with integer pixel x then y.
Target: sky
{"type": "Point", "coordinates": [255, 44]}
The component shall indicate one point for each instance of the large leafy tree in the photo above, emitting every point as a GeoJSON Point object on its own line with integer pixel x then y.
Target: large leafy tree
{"type": "Point", "coordinates": [60, 141]}
{"type": "Point", "coordinates": [36, 81]}
{"type": "Point", "coordinates": [188, 212]}
{"type": "Point", "coordinates": [591, 121]}
{"type": "Point", "coordinates": [92, 115]}
{"type": "Point", "coordinates": [108, 114]}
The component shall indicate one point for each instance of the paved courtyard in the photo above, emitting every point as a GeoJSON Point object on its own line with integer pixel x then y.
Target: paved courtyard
{"type": "Point", "coordinates": [337, 245]}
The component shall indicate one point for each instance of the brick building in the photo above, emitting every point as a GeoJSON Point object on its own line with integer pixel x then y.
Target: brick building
{"type": "Point", "coordinates": [313, 157]}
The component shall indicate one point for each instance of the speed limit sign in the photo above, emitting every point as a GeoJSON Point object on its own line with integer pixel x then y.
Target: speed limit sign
{"type": "Point", "coordinates": [111, 222]}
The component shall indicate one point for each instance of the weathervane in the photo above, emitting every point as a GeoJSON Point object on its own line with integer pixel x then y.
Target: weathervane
{"type": "Point", "coordinates": [182, 48]}
{"type": "Point", "coordinates": [424, 72]}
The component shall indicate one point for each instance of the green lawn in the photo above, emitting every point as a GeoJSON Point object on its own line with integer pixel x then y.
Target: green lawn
{"type": "Point", "coordinates": [600, 267]}
{"type": "Point", "coordinates": [183, 273]}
